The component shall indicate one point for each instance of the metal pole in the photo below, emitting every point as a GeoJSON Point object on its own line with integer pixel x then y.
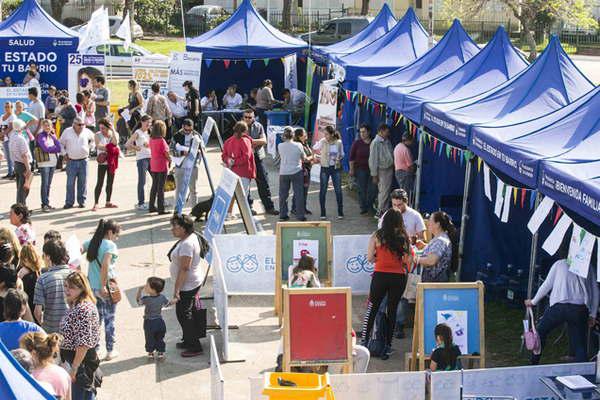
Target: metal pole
{"type": "Point", "coordinates": [182, 19]}
{"type": "Point", "coordinates": [533, 257]}
{"type": "Point", "coordinates": [431, 23]}
{"type": "Point", "coordinates": [419, 170]}
{"type": "Point", "coordinates": [464, 218]}
{"type": "Point", "coordinates": [269, 11]}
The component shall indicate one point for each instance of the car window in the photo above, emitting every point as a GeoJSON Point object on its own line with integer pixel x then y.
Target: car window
{"type": "Point", "coordinates": [344, 28]}
{"type": "Point", "coordinates": [215, 11]}
{"type": "Point", "coordinates": [102, 49]}
{"type": "Point", "coordinates": [119, 50]}
{"type": "Point", "coordinates": [329, 29]}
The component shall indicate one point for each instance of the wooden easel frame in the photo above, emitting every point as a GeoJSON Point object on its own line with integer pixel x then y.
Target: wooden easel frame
{"type": "Point", "coordinates": [279, 285]}
{"type": "Point", "coordinates": [287, 362]}
{"type": "Point", "coordinates": [418, 342]}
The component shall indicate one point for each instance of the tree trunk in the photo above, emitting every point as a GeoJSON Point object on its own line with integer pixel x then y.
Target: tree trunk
{"type": "Point", "coordinates": [129, 9]}
{"type": "Point", "coordinates": [286, 17]}
{"type": "Point", "coordinates": [365, 7]}
{"type": "Point", "coordinates": [57, 7]}
{"type": "Point", "coordinates": [529, 38]}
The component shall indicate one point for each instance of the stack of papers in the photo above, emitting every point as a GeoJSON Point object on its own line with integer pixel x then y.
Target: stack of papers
{"type": "Point", "coordinates": [575, 382]}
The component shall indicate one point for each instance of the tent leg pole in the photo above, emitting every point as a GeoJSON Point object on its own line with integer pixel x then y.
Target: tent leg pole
{"type": "Point", "coordinates": [419, 171]}
{"type": "Point", "coordinates": [356, 121]}
{"type": "Point", "coordinates": [464, 218]}
{"type": "Point", "coordinates": [533, 257]}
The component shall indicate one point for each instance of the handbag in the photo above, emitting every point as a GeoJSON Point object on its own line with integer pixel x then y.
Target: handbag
{"type": "Point", "coordinates": [530, 336]}
{"type": "Point", "coordinates": [170, 182]}
{"type": "Point", "coordinates": [112, 287]}
{"type": "Point", "coordinates": [199, 316]}
{"type": "Point", "coordinates": [40, 155]}
{"type": "Point", "coordinates": [101, 158]}
{"type": "Point", "coordinates": [413, 278]}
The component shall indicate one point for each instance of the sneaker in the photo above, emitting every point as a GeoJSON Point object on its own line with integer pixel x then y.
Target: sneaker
{"type": "Point", "coordinates": [141, 206]}
{"type": "Point", "coordinates": [323, 217]}
{"type": "Point", "coordinates": [284, 218]}
{"type": "Point", "coordinates": [272, 212]}
{"type": "Point", "coordinates": [192, 353]}
{"type": "Point", "coordinates": [340, 217]}
{"type": "Point", "coordinates": [67, 206]}
{"type": "Point", "coordinates": [152, 209]}
{"type": "Point", "coordinates": [46, 209]}
{"type": "Point", "coordinates": [81, 206]}
{"type": "Point", "coordinates": [160, 355]}
{"type": "Point", "coordinates": [254, 212]}
{"type": "Point", "coordinates": [111, 355]}
{"type": "Point", "coordinates": [151, 355]}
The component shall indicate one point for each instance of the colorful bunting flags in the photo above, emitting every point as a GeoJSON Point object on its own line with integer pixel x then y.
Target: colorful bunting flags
{"type": "Point", "coordinates": [226, 63]}
{"type": "Point", "coordinates": [559, 212]}
{"type": "Point", "coordinates": [532, 199]}
{"type": "Point", "coordinates": [523, 194]}
{"type": "Point", "coordinates": [249, 63]}
{"type": "Point", "coordinates": [266, 61]}
{"type": "Point", "coordinates": [208, 61]}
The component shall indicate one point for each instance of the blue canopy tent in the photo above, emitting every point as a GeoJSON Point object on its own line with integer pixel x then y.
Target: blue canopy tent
{"type": "Point", "coordinates": [15, 382]}
{"type": "Point", "coordinates": [381, 24]}
{"type": "Point", "coordinates": [453, 50]}
{"type": "Point", "coordinates": [245, 49]}
{"type": "Point", "coordinates": [30, 35]}
{"type": "Point", "coordinates": [515, 151]}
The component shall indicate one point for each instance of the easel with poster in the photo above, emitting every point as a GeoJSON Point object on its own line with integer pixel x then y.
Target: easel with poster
{"type": "Point", "coordinates": [460, 306]}
{"type": "Point", "coordinates": [293, 239]}
{"type": "Point", "coordinates": [328, 313]}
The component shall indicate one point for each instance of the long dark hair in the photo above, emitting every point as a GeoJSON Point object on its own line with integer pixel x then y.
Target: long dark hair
{"type": "Point", "coordinates": [306, 263]}
{"type": "Point", "coordinates": [447, 226]}
{"type": "Point", "coordinates": [103, 227]}
{"type": "Point", "coordinates": [448, 355]}
{"type": "Point", "coordinates": [392, 233]}
{"type": "Point", "coordinates": [22, 211]}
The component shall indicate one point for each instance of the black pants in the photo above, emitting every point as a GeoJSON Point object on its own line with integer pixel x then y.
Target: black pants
{"type": "Point", "coordinates": [183, 310]}
{"type": "Point", "coordinates": [20, 181]}
{"type": "Point", "coordinates": [102, 171]}
{"type": "Point", "coordinates": [154, 332]}
{"type": "Point", "coordinates": [382, 284]}
{"type": "Point", "coordinates": [262, 183]}
{"type": "Point", "coordinates": [157, 191]}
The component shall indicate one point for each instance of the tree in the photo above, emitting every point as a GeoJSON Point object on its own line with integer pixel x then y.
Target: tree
{"type": "Point", "coordinates": [286, 15]}
{"type": "Point", "coordinates": [57, 6]}
{"type": "Point", "coordinates": [528, 13]}
{"type": "Point", "coordinates": [364, 10]}
{"type": "Point", "coordinates": [128, 9]}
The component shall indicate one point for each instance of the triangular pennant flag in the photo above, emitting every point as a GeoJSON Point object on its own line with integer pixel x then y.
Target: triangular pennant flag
{"type": "Point", "coordinates": [454, 154]}
{"type": "Point", "coordinates": [435, 141]}
{"type": "Point", "coordinates": [441, 147]}
{"type": "Point", "coordinates": [559, 212]}
{"type": "Point", "coordinates": [532, 199]}
{"type": "Point", "coordinates": [479, 161]}
{"type": "Point", "coordinates": [266, 61]}
{"type": "Point", "coordinates": [523, 194]}
{"type": "Point", "coordinates": [467, 154]}
{"type": "Point", "coordinates": [249, 63]}
{"type": "Point", "coordinates": [302, 59]}
{"type": "Point", "coordinates": [226, 63]}
{"type": "Point", "coordinates": [208, 61]}
{"type": "Point", "coordinates": [515, 194]}
{"type": "Point", "coordinates": [348, 95]}
{"type": "Point", "coordinates": [354, 96]}
{"type": "Point", "coordinates": [398, 121]}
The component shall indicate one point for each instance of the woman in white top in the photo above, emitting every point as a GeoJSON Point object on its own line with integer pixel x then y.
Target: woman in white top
{"type": "Point", "coordinates": [140, 142]}
{"type": "Point", "coordinates": [209, 102]}
{"type": "Point", "coordinates": [103, 137]}
{"type": "Point", "coordinates": [331, 155]}
{"type": "Point", "coordinates": [188, 269]}
{"type": "Point", "coordinates": [6, 124]}
{"type": "Point", "coordinates": [573, 300]}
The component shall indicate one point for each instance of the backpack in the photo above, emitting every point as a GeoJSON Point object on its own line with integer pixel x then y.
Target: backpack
{"type": "Point", "coordinates": [377, 342]}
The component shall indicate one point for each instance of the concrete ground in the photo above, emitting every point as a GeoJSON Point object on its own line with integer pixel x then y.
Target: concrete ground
{"type": "Point", "coordinates": [143, 245]}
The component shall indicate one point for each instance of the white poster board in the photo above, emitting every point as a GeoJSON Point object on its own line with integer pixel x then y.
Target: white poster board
{"type": "Point", "coordinates": [350, 265]}
{"type": "Point", "coordinates": [221, 301]}
{"type": "Point", "coordinates": [290, 71]}
{"type": "Point", "coordinates": [457, 321]}
{"type": "Point", "coordinates": [580, 251]}
{"type": "Point", "coordinates": [184, 66]}
{"type": "Point", "coordinates": [82, 71]}
{"type": "Point", "coordinates": [248, 263]}
{"type": "Point", "coordinates": [326, 110]}
{"type": "Point", "coordinates": [149, 69]}
{"type": "Point", "coordinates": [217, 382]}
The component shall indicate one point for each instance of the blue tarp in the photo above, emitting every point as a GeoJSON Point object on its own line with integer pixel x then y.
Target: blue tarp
{"type": "Point", "coordinates": [453, 50]}
{"type": "Point", "coordinates": [31, 35]}
{"type": "Point", "coordinates": [516, 149]}
{"type": "Point", "coordinates": [496, 63]}
{"type": "Point", "coordinates": [551, 82]}
{"type": "Point", "coordinates": [15, 382]}
{"type": "Point", "coordinates": [245, 35]}
{"type": "Point", "coordinates": [406, 42]}
{"type": "Point", "coordinates": [383, 22]}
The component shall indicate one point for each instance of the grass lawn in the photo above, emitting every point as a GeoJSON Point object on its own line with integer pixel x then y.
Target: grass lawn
{"type": "Point", "coordinates": [162, 46]}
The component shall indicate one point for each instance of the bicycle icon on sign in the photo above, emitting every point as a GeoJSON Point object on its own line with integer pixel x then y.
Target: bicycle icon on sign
{"type": "Point", "coordinates": [247, 263]}
{"type": "Point", "coordinates": [359, 264]}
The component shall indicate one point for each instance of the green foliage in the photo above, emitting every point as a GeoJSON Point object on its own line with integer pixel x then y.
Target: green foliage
{"type": "Point", "coordinates": [155, 15]}
{"type": "Point", "coordinates": [9, 6]}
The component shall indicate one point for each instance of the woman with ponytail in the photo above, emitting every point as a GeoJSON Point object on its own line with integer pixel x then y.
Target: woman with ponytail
{"type": "Point", "coordinates": [43, 349]}
{"type": "Point", "coordinates": [440, 257]}
{"type": "Point", "coordinates": [445, 355]}
{"type": "Point", "coordinates": [102, 254]}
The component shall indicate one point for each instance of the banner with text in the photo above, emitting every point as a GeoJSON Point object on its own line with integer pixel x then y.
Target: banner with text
{"type": "Point", "coordinates": [83, 70]}
{"type": "Point", "coordinates": [149, 69]}
{"type": "Point", "coordinates": [351, 267]}
{"type": "Point", "coordinates": [12, 94]}
{"type": "Point", "coordinates": [184, 66]}
{"type": "Point", "coordinates": [248, 263]}
{"type": "Point", "coordinates": [326, 110]}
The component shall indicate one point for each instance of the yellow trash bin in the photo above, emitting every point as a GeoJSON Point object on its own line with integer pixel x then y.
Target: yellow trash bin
{"type": "Point", "coordinates": [307, 386]}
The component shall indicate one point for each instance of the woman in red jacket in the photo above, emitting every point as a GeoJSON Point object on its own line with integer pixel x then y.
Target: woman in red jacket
{"type": "Point", "coordinates": [238, 155]}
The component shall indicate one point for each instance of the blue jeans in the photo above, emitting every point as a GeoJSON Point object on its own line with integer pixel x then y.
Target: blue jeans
{"type": "Point", "coordinates": [367, 191]}
{"type": "Point", "coordinates": [76, 170]}
{"type": "Point", "coordinates": [47, 173]}
{"type": "Point", "coordinates": [576, 317]}
{"type": "Point", "coordinates": [9, 161]}
{"type": "Point", "coordinates": [143, 167]}
{"type": "Point", "coordinates": [79, 393]}
{"type": "Point", "coordinates": [336, 178]}
{"type": "Point", "coordinates": [295, 181]}
{"type": "Point", "coordinates": [183, 176]}
{"type": "Point", "coordinates": [154, 332]}
{"type": "Point", "coordinates": [106, 312]}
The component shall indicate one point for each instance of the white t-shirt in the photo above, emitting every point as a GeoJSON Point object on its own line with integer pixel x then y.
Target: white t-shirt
{"type": "Point", "coordinates": [413, 221]}
{"type": "Point", "coordinates": [7, 123]}
{"type": "Point", "coordinates": [234, 101]}
{"type": "Point", "coordinates": [189, 247]}
{"type": "Point", "coordinates": [37, 109]}
{"type": "Point", "coordinates": [142, 138]}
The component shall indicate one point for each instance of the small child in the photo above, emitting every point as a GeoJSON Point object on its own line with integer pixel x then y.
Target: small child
{"type": "Point", "coordinates": [305, 274]}
{"type": "Point", "coordinates": [154, 325]}
{"type": "Point", "coordinates": [445, 356]}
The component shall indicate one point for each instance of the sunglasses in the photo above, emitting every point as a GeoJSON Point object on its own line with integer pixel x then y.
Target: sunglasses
{"type": "Point", "coordinates": [248, 117]}
{"type": "Point", "coordinates": [79, 124]}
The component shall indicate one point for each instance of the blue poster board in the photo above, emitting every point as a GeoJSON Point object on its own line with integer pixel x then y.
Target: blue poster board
{"type": "Point", "coordinates": [460, 306]}
{"type": "Point", "coordinates": [220, 206]}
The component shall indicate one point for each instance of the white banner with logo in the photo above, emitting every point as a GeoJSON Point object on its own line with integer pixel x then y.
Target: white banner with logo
{"type": "Point", "coordinates": [149, 69]}
{"type": "Point", "coordinates": [221, 301]}
{"type": "Point", "coordinates": [376, 386]}
{"type": "Point", "coordinates": [326, 110]}
{"type": "Point", "coordinates": [522, 383]}
{"type": "Point", "coordinates": [217, 382]}
{"type": "Point", "coordinates": [184, 66]}
{"type": "Point", "coordinates": [248, 263]}
{"type": "Point", "coordinates": [12, 94]}
{"type": "Point", "coordinates": [83, 70]}
{"type": "Point", "coordinates": [351, 267]}
{"type": "Point", "coordinates": [290, 71]}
